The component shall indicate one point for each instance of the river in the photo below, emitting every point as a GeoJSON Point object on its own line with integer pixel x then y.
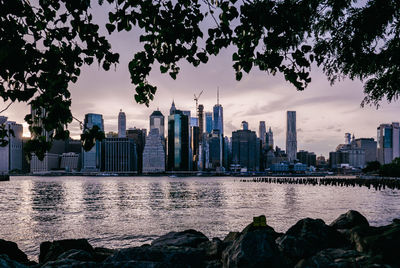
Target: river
{"type": "Point", "coordinates": [118, 212]}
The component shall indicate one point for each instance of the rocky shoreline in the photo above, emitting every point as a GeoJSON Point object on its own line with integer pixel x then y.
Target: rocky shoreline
{"type": "Point", "coordinates": [349, 241]}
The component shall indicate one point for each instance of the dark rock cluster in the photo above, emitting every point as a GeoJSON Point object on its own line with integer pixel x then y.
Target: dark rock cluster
{"type": "Point", "coordinates": [349, 241]}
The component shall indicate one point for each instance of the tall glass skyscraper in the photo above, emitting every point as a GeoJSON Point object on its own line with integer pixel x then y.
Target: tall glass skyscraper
{"type": "Point", "coordinates": [178, 142]}
{"type": "Point", "coordinates": [91, 160]}
{"type": "Point", "coordinates": [218, 120]}
{"type": "Point", "coordinates": [291, 135]}
{"type": "Point", "coordinates": [121, 124]}
{"type": "Point", "coordinates": [209, 122]}
{"type": "Point", "coordinates": [261, 132]}
{"type": "Point", "coordinates": [388, 142]}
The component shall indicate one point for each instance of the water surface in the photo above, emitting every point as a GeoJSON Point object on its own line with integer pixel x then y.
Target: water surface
{"type": "Point", "coordinates": [120, 212]}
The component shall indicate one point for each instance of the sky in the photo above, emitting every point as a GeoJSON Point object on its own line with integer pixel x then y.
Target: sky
{"type": "Point", "coordinates": [324, 112]}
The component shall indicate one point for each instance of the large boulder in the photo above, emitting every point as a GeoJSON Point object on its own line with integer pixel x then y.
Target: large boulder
{"type": "Point", "coordinates": [163, 256]}
{"type": "Point", "coordinates": [12, 251]}
{"type": "Point", "coordinates": [254, 247]}
{"type": "Point", "coordinates": [307, 237]}
{"type": "Point", "coordinates": [6, 261]}
{"type": "Point", "coordinates": [50, 251]}
{"type": "Point", "coordinates": [336, 257]}
{"type": "Point", "coordinates": [188, 238]}
{"type": "Point", "coordinates": [383, 242]}
{"type": "Point", "coordinates": [349, 220]}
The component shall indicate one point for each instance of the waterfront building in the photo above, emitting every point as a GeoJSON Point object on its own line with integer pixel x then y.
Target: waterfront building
{"type": "Point", "coordinates": [91, 160]}
{"type": "Point", "coordinates": [348, 153]}
{"type": "Point", "coordinates": [119, 155]}
{"type": "Point", "coordinates": [388, 142]}
{"type": "Point", "coordinates": [246, 149]}
{"type": "Point", "coordinates": [262, 133]}
{"type": "Point", "coordinates": [215, 149]}
{"type": "Point", "coordinates": [139, 138]}
{"type": "Point", "coordinates": [178, 141]}
{"type": "Point", "coordinates": [369, 145]}
{"type": "Point", "coordinates": [307, 158]}
{"type": "Point", "coordinates": [291, 135]}
{"type": "Point", "coordinates": [69, 161]}
{"type": "Point", "coordinates": [11, 155]}
{"type": "Point", "coordinates": [209, 122]}
{"type": "Point", "coordinates": [269, 139]}
{"type": "Point", "coordinates": [157, 122]}
{"type": "Point", "coordinates": [154, 153]}
{"type": "Point", "coordinates": [49, 162]}
{"type": "Point", "coordinates": [121, 124]}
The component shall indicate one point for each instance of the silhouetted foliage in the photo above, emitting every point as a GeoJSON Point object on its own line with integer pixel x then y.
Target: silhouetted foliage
{"type": "Point", "coordinates": [391, 170]}
{"type": "Point", "coordinates": [372, 166]}
{"type": "Point", "coordinates": [43, 45]}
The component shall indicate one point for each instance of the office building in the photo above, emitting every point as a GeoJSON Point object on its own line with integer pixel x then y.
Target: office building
{"type": "Point", "coordinates": [262, 133]}
{"type": "Point", "coordinates": [178, 142]}
{"type": "Point", "coordinates": [388, 142]}
{"type": "Point", "coordinates": [269, 139]}
{"type": "Point", "coordinates": [49, 162]}
{"type": "Point", "coordinates": [172, 109]}
{"type": "Point", "coordinates": [369, 145]}
{"type": "Point", "coordinates": [119, 155]}
{"type": "Point", "coordinates": [139, 138]}
{"type": "Point", "coordinates": [209, 122]}
{"type": "Point", "coordinates": [91, 160]}
{"type": "Point", "coordinates": [291, 136]}
{"type": "Point", "coordinates": [157, 122]}
{"type": "Point", "coordinates": [121, 124]}
{"type": "Point", "coordinates": [154, 153]}
{"type": "Point", "coordinates": [307, 158]}
{"type": "Point", "coordinates": [200, 115]}
{"type": "Point", "coordinates": [11, 155]}
{"type": "Point", "coordinates": [246, 149]}
{"type": "Point", "coordinates": [69, 161]}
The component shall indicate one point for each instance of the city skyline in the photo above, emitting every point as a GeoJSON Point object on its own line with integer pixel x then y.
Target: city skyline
{"type": "Point", "coordinates": [324, 112]}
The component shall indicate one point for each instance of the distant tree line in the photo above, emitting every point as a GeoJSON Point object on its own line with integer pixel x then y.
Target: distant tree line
{"type": "Point", "coordinates": [386, 170]}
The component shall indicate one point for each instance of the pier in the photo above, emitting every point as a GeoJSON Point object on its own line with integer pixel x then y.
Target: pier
{"type": "Point", "coordinates": [376, 183]}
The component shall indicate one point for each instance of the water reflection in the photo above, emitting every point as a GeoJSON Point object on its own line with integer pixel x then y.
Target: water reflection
{"type": "Point", "coordinates": [93, 200]}
{"type": "Point", "coordinates": [47, 199]}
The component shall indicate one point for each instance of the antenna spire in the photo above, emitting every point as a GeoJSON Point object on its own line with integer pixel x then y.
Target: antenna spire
{"type": "Point", "coordinates": [217, 95]}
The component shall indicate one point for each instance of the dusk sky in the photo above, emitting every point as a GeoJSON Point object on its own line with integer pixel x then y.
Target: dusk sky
{"type": "Point", "coordinates": [324, 112]}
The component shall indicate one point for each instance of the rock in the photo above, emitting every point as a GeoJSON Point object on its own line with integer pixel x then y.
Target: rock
{"type": "Point", "coordinates": [12, 251]}
{"type": "Point", "coordinates": [212, 249]}
{"type": "Point", "coordinates": [100, 254]}
{"type": "Point", "coordinates": [6, 261]}
{"type": "Point", "coordinates": [166, 256]}
{"type": "Point", "coordinates": [231, 236]}
{"type": "Point", "coordinates": [307, 237]}
{"type": "Point", "coordinates": [188, 238]}
{"type": "Point", "coordinates": [254, 247]}
{"type": "Point", "coordinates": [76, 254]}
{"type": "Point", "coordinates": [349, 220]}
{"type": "Point", "coordinates": [50, 251]}
{"type": "Point", "coordinates": [334, 257]}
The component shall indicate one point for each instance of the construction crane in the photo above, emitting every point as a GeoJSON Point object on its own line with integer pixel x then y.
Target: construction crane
{"type": "Point", "coordinates": [196, 98]}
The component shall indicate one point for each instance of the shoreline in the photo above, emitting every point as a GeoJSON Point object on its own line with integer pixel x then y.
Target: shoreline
{"type": "Point", "coordinates": [349, 241]}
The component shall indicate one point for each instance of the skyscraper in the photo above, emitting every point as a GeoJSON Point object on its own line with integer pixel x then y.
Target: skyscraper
{"type": "Point", "coordinates": [121, 124]}
{"type": "Point", "coordinates": [261, 132]}
{"type": "Point", "coordinates": [172, 109]}
{"type": "Point", "coordinates": [291, 135]}
{"type": "Point", "coordinates": [11, 155]}
{"type": "Point", "coordinates": [245, 125]}
{"type": "Point", "coordinates": [153, 153]}
{"type": "Point", "coordinates": [218, 120]}
{"type": "Point", "coordinates": [91, 160]}
{"type": "Point", "coordinates": [388, 142]}
{"type": "Point", "coordinates": [139, 137]}
{"type": "Point", "coordinates": [209, 122]}
{"type": "Point", "coordinates": [245, 149]}
{"type": "Point", "coordinates": [200, 112]}
{"type": "Point", "coordinates": [178, 142]}
{"type": "Point", "coordinates": [119, 155]}
{"type": "Point", "coordinates": [157, 121]}
{"type": "Point", "coordinates": [269, 139]}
